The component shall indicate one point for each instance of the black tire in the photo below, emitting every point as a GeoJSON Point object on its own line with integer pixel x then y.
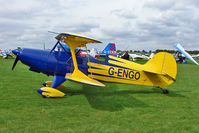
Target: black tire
{"type": "Point", "coordinates": [45, 96]}
{"type": "Point", "coordinates": [165, 91]}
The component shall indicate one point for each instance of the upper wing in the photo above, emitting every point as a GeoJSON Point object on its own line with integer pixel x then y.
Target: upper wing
{"type": "Point", "coordinates": [76, 40]}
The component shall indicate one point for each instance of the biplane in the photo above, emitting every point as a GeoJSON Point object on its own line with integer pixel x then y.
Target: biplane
{"type": "Point", "coordinates": [65, 65]}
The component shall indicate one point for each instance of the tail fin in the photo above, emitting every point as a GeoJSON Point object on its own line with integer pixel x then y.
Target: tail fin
{"type": "Point", "coordinates": [110, 49]}
{"type": "Point", "coordinates": [162, 63]}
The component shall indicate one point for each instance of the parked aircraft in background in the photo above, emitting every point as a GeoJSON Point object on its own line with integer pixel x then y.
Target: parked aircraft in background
{"type": "Point", "coordinates": [94, 53]}
{"type": "Point", "coordinates": [140, 56]}
{"type": "Point", "coordinates": [110, 49]}
{"type": "Point", "coordinates": [1, 53]}
{"type": "Point", "coordinates": [182, 50]}
{"type": "Point", "coordinates": [195, 56]}
{"type": "Point", "coordinates": [6, 53]}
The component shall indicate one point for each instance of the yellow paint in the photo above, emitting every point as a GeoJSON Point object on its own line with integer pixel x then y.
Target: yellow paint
{"type": "Point", "coordinates": [163, 63]}
{"type": "Point", "coordinates": [78, 76]}
{"type": "Point", "coordinates": [13, 55]}
{"type": "Point", "coordinates": [76, 40]}
{"type": "Point", "coordinates": [51, 92]}
{"type": "Point", "coordinates": [48, 84]}
{"type": "Point", "coordinates": [160, 71]}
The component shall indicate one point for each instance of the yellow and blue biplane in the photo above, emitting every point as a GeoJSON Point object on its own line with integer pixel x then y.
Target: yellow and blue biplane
{"type": "Point", "coordinates": [65, 64]}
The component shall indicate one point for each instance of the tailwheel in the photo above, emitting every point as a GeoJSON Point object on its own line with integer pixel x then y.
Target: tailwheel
{"type": "Point", "coordinates": [164, 91]}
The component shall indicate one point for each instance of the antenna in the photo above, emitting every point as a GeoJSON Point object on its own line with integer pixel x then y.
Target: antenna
{"type": "Point", "coordinates": [53, 32]}
{"type": "Point", "coordinates": [44, 46]}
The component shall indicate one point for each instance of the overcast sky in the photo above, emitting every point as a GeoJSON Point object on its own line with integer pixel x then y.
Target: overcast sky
{"type": "Point", "coordinates": [131, 24]}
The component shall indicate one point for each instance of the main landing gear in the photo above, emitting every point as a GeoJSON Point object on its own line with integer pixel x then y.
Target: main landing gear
{"type": "Point", "coordinates": [164, 91]}
{"type": "Point", "coordinates": [49, 92]}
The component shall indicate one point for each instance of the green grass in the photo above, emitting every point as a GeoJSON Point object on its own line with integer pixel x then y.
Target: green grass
{"type": "Point", "coordinates": [114, 108]}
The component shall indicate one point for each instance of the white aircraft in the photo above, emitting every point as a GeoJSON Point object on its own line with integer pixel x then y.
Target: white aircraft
{"type": "Point", "coordinates": [94, 52]}
{"type": "Point", "coordinates": [140, 56]}
{"type": "Point", "coordinates": [195, 56]}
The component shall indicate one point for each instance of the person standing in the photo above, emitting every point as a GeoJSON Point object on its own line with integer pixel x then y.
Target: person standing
{"type": "Point", "coordinates": [126, 56]}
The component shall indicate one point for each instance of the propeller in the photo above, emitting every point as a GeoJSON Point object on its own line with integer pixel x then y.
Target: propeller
{"type": "Point", "coordinates": [16, 60]}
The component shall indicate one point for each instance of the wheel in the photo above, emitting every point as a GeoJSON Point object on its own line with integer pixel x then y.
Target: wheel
{"type": "Point", "coordinates": [45, 96]}
{"type": "Point", "coordinates": [165, 91]}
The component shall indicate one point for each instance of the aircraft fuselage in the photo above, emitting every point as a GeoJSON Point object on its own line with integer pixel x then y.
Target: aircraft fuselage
{"type": "Point", "coordinates": [51, 63]}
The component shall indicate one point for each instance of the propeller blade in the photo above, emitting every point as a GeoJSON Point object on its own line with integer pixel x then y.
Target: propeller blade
{"type": "Point", "coordinates": [16, 60]}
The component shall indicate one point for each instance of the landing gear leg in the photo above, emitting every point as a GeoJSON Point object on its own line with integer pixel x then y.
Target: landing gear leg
{"type": "Point", "coordinates": [164, 91]}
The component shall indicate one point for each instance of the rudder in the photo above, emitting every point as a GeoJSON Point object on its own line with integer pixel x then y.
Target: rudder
{"type": "Point", "coordinates": [162, 63]}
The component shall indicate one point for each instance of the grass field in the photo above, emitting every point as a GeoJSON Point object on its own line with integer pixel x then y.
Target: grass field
{"type": "Point", "coordinates": [114, 108]}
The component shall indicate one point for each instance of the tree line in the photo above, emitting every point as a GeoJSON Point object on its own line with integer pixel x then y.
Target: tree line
{"type": "Point", "coordinates": [159, 50]}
